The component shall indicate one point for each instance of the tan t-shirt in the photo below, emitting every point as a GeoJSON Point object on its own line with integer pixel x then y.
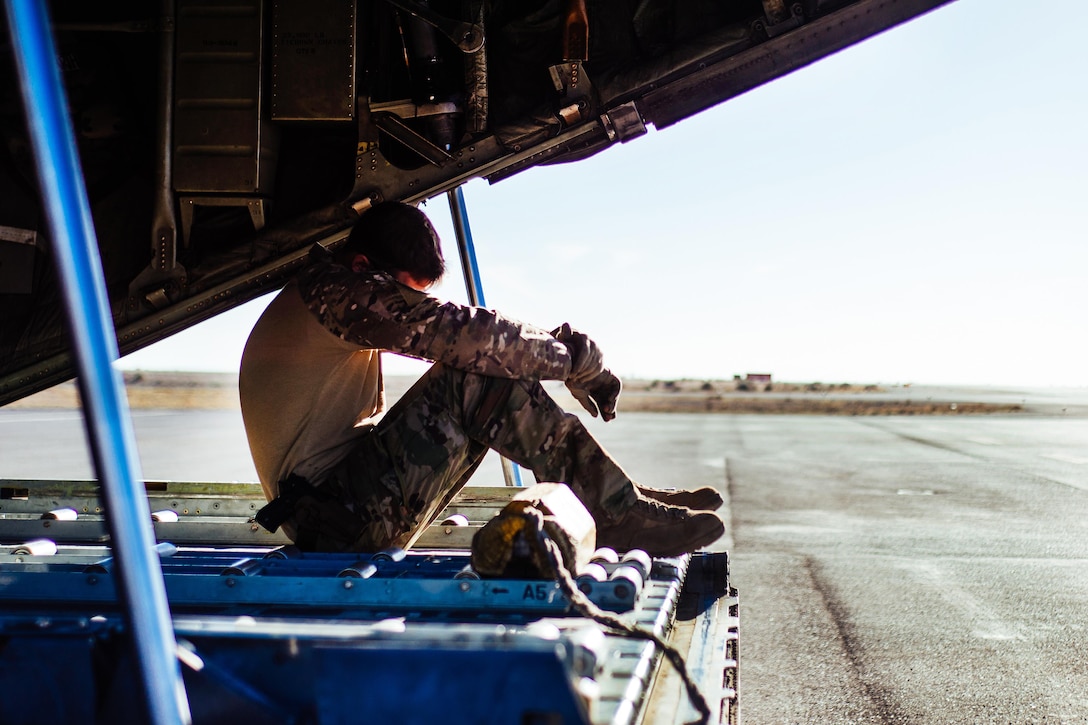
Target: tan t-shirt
{"type": "Point", "coordinates": [299, 386]}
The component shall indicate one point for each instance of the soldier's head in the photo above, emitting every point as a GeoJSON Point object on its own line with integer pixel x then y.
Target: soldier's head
{"type": "Point", "coordinates": [396, 238]}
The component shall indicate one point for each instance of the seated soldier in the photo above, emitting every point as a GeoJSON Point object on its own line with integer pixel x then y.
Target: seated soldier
{"type": "Point", "coordinates": [342, 473]}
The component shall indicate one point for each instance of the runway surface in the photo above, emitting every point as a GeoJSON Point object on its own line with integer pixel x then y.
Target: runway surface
{"type": "Point", "coordinates": [929, 569]}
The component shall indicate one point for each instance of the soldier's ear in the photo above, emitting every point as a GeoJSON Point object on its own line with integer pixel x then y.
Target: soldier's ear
{"type": "Point", "coordinates": [360, 263]}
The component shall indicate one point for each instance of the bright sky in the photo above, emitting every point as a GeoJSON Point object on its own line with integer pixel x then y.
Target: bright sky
{"type": "Point", "coordinates": [912, 209]}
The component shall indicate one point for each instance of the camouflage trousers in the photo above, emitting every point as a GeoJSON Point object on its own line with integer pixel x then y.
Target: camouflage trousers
{"type": "Point", "coordinates": [404, 472]}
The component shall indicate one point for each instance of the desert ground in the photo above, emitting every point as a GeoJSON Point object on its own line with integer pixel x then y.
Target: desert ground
{"type": "Point", "coordinates": [218, 391]}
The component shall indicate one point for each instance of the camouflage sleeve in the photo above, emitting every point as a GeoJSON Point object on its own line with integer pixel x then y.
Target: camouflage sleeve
{"type": "Point", "coordinates": [375, 311]}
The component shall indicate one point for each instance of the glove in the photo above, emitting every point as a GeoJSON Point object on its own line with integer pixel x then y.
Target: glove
{"type": "Point", "coordinates": [586, 361]}
{"type": "Point", "coordinates": [600, 393]}
{"type": "Point", "coordinates": [591, 384]}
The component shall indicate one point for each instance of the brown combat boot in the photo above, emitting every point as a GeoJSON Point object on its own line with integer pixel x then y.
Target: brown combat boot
{"type": "Point", "coordinates": [699, 499]}
{"type": "Point", "coordinates": [660, 529]}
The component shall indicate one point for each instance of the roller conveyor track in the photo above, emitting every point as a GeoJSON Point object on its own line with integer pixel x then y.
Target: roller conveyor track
{"type": "Point", "coordinates": [278, 633]}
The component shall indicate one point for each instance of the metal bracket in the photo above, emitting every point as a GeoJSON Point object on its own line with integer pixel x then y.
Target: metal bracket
{"type": "Point", "coordinates": [570, 80]}
{"type": "Point", "coordinates": [399, 130]}
{"type": "Point", "coordinates": [779, 18]}
{"type": "Point", "coordinates": [623, 123]}
{"type": "Point", "coordinates": [256, 205]}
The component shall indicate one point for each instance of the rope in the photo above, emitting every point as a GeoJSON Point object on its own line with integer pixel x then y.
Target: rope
{"type": "Point", "coordinates": [585, 607]}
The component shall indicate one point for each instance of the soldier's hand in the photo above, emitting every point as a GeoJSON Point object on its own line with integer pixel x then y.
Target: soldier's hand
{"type": "Point", "coordinates": [600, 394]}
{"type": "Point", "coordinates": [591, 384]}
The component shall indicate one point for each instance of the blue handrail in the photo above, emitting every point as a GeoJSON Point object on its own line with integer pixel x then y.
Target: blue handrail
{"type": "Point", "coordinates": [106, 414]}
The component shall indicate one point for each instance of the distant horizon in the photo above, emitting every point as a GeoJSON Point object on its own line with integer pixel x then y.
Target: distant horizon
{"type": "Point", "coordinates": [783, 381]}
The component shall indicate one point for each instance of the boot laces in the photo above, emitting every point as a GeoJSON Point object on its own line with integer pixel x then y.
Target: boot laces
{"type": "Point", "coordinates": [660, 510]}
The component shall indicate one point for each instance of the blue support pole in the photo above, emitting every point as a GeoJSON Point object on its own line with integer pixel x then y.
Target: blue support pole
{"type": "Point", "coordinates": [510, 470]}
{"type": "Point", "coordinates": [106, 414]}
{"type": "Point", "coordinates": [465, 247]}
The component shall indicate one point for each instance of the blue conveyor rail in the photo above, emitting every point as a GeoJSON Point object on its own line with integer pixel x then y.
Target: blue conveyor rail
{"type": "Point", "coordinates": [341, 586]}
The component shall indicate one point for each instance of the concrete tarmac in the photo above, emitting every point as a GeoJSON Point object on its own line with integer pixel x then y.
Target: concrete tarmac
{"type": "Point", "coordinates": [899, 570]}
{"type": "Point", "coordinates": [929, 569]}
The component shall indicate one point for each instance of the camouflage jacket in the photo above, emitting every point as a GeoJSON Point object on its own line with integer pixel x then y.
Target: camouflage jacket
{"type": "Point", "coordinates": [371, 309]}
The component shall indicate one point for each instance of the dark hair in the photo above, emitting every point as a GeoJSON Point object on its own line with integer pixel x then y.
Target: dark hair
{"type": "Point", "coordinates": [397, 237]}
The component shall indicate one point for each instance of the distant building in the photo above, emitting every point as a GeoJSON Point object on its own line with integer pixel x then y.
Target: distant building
{"type": "Point", "coordinates": [753, 381]}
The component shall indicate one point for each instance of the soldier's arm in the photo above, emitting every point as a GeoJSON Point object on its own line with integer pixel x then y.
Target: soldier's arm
{"type": "Point", "coordinates": [373, 310]}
